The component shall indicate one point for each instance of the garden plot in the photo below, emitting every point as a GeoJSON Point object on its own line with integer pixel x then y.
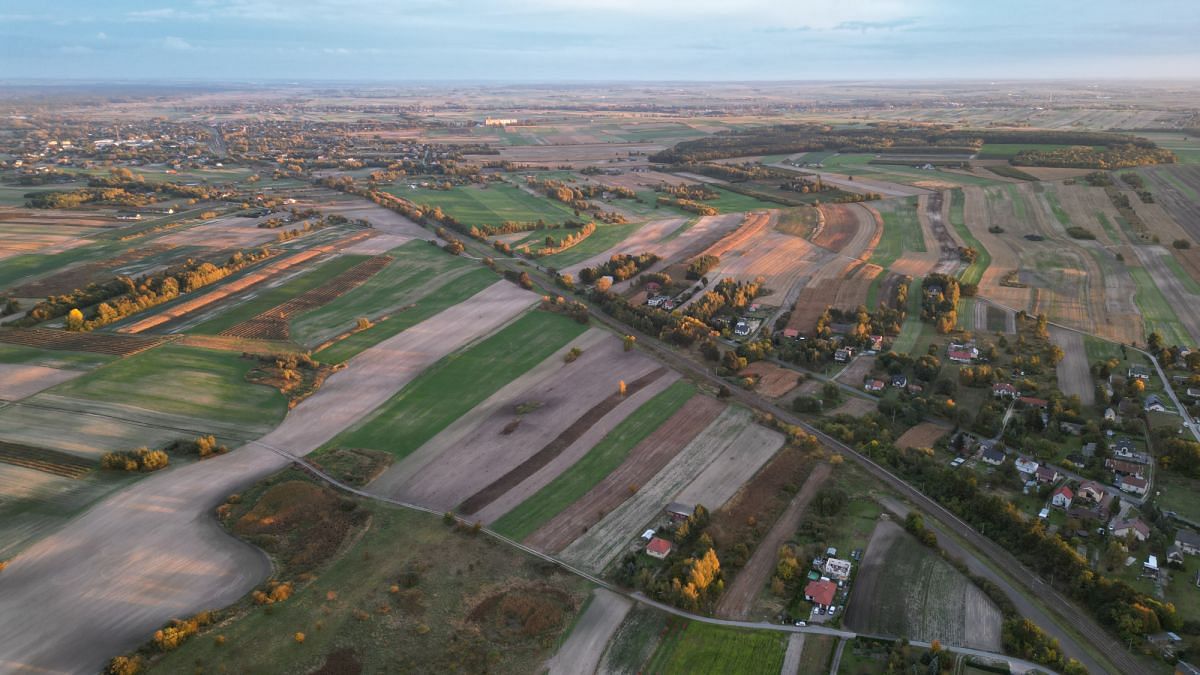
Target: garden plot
{"type": "Point", "coordinates": [855, 373]}
{"type": "Point", "coordinates": [741, 459]}
{"type": "Point", "coordinates": [160, 527]}
{"type": "Point", "coordinates": [19, 381]}
{"type": "Point", "coordinates": [854, 407]}
{"type": "Point", "coordinates": [582, 650]}
{"type": "Point", "coordinates": [1073, 372]}
{"type": "Point", "coordinates": [563, 422]}
{"type": "Point", "coordinates": [644, 461]}
{"type": "Point", "coordinates": [616, 531]}
{"type": "Point", "coordinates": [904, 588]}
{"type": "Point", "coordinates": [773, 381]}
{"type": "Point", "coordinates": [923, 435]}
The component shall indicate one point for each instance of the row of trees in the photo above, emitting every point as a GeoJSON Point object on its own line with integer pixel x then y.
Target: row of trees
{"type": "Point", "coordinates": [620, 267]}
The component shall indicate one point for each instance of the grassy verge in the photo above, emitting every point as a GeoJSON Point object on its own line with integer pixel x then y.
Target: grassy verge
{"type": "Point", "coordinates": [593, 467]}
{"type": "Point", "coordinates": [457, 383]}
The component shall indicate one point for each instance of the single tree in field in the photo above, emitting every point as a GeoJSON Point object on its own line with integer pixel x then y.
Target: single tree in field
{"type": "Point", "coordinates": [75, 319]}
{"type": "Point", "coordinates": [621, 387]}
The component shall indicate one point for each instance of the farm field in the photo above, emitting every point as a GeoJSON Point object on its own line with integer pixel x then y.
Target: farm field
{"type": "Point", "coordinates": [925, 597]}
{"type": "Point", "coordinates": [757, 250]}
{"type": "Point", "coordinates": [18, 381]}
{"type": "Point", "coordinates": [584, 647]}
{"type": "Point", "coordinates": [1157, 312]}
{"type": "Point", "coordinates": [922, 435]}
{"type": "Point", "coordinates": [859, 165]}
{"type": "Point", "coordinates": [491, 205]}
{"type": "Point", "coordinates": [25, 355]}
{"type": "Point", "coordinates": [690, 648]}
{"type": "Point", "coordinates": [528, 432]}
{"type": "Point", "coordinates": [846, 282]}
{"type": "Point", "coordinates": [648, 237]}
{"type": "Point", "coordinates": [449, 613]}
{"type": "Point", "coordinates": [599, 462]}
{"type": "Point", "coordinates": [604, 238]}
{"type": "Point", "coordinates": [453, 386]}
{"type": "Point", "coordinates": [603, 542]}
{"type": "Point", "coordinates": [726, 473]}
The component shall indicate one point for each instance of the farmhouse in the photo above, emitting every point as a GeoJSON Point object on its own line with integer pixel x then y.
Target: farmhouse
{"type": "Point", "coordinates": [1033, 402]}
{"type": "Point", "coordinates": [837, 569]}
{"type": "Point", "coordinates": [993, 456]}
{"type": "Point", "coordinates": [1025, 465]}
{"type": "Point", "coordinates": [874, 385]}
{"type": "Point", "coordinates": [678, 511]}
{"type": "Point", "coordinates": [1134, 526]}
{"type": "Point", "coordinates": [658, 548]}
{"type": "Point", "coordinates": [820, 592]}
{"type": "Point", "coordinates": [1091, 491]}
{"type": "Point", "coordinates": [1188, 541]}
{"type": "Point", "coordinates": [1133, 485]}
{"type": "Point", "coordinates": [1062, 497]}
{"type": "Point", "coordinates": [1005, 390]}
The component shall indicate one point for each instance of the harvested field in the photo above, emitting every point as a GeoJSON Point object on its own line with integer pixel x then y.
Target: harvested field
{"type": "Point", "coordinates": [272, 268]}
{"type": "Point", "coordinates": [393, 226]}
{"type": "Point", "coordinates": [575, 155]}
{"type": "Point", "coordinates": [725, 475]}
{"type": "Point", "coordinates": [854, 407]}
{"type": "Point", "coordinates": [773, 381]}
{"type": "Point", "coordinates": [160, 526]}
{"type": "Point", "coordinates": [644, 461]}
{"type": "Point", "coordinates": [923, 435]}
{"type": "Point", "coordinates": [582, 650]}
{"type": "Point", "coordinates": [738, 599]}
{"type": "Point", "coordinates": [1177, 188]}
{"type": "Point", "coordinates": [856, 373]}
{"type": "Point", "coordinates": [616, 531]}
{"type": "Point", "coordinates": [933, 212]}
{"type": "Point", "coordinates": [824, 288]}
{"type": "Point", "coordinates": [758, 250]}
{"type": "Point", "coordinates": [1178, 293]}
{"type": "Point", "coordinates": [45, 460]}
{"type": "Point", "coordinates": [273, 324]}
{"type": "Point", "coordinates": [567, 401]}
{"type": "Point", "coordinates": [95, 343]}
{"type": "Point", "coordinates": [1074, 371]}
{"type": "Point", "coordinates": [979, 216]}
{"type": "Point", "coordinates": [646, 238]}
{"type": "Point", "coordinates": [18, 381]}
{"type": "Point", "coordinates": [1162, 225]}
{"type": "Point", "coordinates": [904, 588]}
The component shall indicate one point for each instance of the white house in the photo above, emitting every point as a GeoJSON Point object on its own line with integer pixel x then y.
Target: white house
{"type": "Point", "coordinates": [1062, 497]}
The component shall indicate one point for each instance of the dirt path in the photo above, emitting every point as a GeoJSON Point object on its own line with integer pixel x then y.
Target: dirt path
{"type": "Point", "coordinates": [581, 652]}
{"type": "Point", "coordinates": [644, 461]}
{"type": "Point", "coordinates": [1074, 375]}
{"type": "Point", "coordinates": [739, 596]}
{"type": "Point", "coordinates": [111, 577]}
{"type": "Point", "coordinates": [791, 658]}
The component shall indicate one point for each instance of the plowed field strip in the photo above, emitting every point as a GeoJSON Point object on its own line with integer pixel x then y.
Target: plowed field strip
{"type": "Point", "coordinates": [555, 447]}
{"type": "Point", "coordinates": [44, 460]}
{"type": "Point", "coordinates": [95, 343]}
{"type": "Point", "coordinates": [273, 323]}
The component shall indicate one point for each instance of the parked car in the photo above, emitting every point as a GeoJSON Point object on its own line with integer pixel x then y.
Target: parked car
{"type": "Point", "coordinates": [801, 623]}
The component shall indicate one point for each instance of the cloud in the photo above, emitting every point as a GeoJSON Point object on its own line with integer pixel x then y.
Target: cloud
{"type": "Point", "coordinates": [101, 35]}
{"type": "Point", "coordinates": [865, 26]}
{"type": "Point", "coordinates": [176, 44]}
{"type": "Point", "coordinates": [75, 50]}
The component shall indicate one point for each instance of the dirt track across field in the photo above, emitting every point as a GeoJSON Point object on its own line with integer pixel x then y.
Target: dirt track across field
{"type": "Point", "coordinates": [582, 650]}
{"type": "Point", "coordinates": [106, 581]}
{"type": "Point", "coordinates": [739, 596]}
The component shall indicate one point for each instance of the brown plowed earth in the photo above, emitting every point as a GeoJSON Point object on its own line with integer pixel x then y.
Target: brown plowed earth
{"type": "Point", "coordinates": [45, 460]}
{"type": "Point", "coordinates": [923, 435]}
{"type": "Point", "coordinates": [739, 596]}
{"type": "Point", "coordinates": [555, 447]}
{"type": "Point", "coordinates": [773, 381]}
{"type": "Point", "coordinates": [75, 341]}
{"type": "Point", "coordinates": [645, 460]}
{"type": "Point", "coordinates": [273, 323]}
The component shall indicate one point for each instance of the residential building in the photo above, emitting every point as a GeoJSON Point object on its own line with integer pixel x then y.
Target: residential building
{"type": "Point", "coordinates": [1062, 497]}
{"type": "Point", "coordinates": [1188, 541]}
{"type": "Point", "coordinates": [993, 456]}
{"type": "Point", "coordinates": [1134, 526]}
{"type": "Point", "coordinates": [1046, 474]}
{"type": "Point", "coordinates": [837, 569]}
{"type": "Point", "coordinates": [1005, 390]}
{"type": "Point", "coordinates": [1091, 491]}
{"type": "Point", "coordinates": [820, 592]}
{"type": "Point", "coordinates": [659, 548]}
{"type": "Point", "coordinates": [1073, 428]}
{"type": "Point", "coordinates": [899, 381]}
{"type": "Point", "coordinates": [1139, 372]}
{"type": "Point", "coordinates": [1133, 485]}
{"type": "Point", "coordinates": [1033, 402]}
{"type": "Point", "coordinates": [679, 511]}
{"type": "Point", "coordinates": [1025, 465]}
{"type": "Point", "coordinates": [874, 385]}
{"type": "Point", "coordinates": [1153, 404]}
{"type": "Point", "coordinates": [1122, 467]}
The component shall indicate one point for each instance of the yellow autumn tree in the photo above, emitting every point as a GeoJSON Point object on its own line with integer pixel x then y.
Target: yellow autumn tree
{"type": "Point", "coordinates": [75, 319]}
{"type": "Point", "coordinates": [704, 571]}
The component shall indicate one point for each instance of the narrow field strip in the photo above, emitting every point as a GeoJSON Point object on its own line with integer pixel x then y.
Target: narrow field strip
{"type": "Point", "coordinates": [973, 274]}
{"type": "Point", "coordinates": [600, 461]}
{"type": "Point", "coordinates": [1157, 313]}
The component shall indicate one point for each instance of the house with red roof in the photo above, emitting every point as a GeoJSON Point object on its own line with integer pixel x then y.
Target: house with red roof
{"type": "Point", "coordinates": [1005, 390]}
{"type": "Point", "coordinates": [659, 548]}
{"type": "Point", "coordinates": [1033, 402]}
{"type": "Point", "coordinates": [820, 592]}
{"type": "Point", "coordinates": [1133, 485]}
{"type": "Point", "coordinates": [1062, 497]}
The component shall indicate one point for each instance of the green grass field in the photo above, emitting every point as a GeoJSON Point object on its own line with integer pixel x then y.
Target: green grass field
{"type": "Point", "coordinates": [1060, 213]}
{"type": "Point", "coordinates": [901, 232]}
{"type": "Point", "coordinates": [199, 383]}
{"type": "Point", "coordinates": [912, 326]}
{"type": "Point", "coordinates": [1188, 282]}
{"type": "Point", "coordinates": [695, 648]}
{"type": "Point", "coordinates": [1100, 350]}
{"type": "Point", "coordinates": [416, 270]}
{"type": "Point", "coordinates": [1157, 312]}
{"type": "Point", "coordinates": [457, 383]}
{"type": "Point", "coordinates": [51, 358]}
{"type": "Point", "coordinates": [493, 205]}
{"type": "Point", "coordinates": [461, 288]}
{"type": "Point", "coordinates": [859, 165]}
{"type": "Point", "coordinates": [594, 466]}
{"type": "Point", "coordinates": [1185, 147]}
{"type": "Point", "coordinates": [604, 238]}
{"type": "Point", "coordinates": [733, 202]}
{"type": "Point", "coordinates": [236, 313]}
{"type": "Point", "coordinates": [22, 267]}
{"type": "Point", "coordinates": [974, 272]}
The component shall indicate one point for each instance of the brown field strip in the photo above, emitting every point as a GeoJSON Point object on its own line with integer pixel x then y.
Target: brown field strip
{"type": "Point", "coordinates": [95, 343]}
{"type": "Point", "coordinates": [259, 275]}
{"type": "Point", "coordinates": [979, 217]}
{"type": "Point", "coordinates": [555, 447]}
{"type": "Point", "coordinates": [272, 324]}
{"type": "Point", "coordinates": [773, 381]}
{"type": "Point", "coordinates": [645, 460]}
{"type": "Point", "coordinates": [45, 460]}
{"type": "Point", "coordinates": [923, 435]}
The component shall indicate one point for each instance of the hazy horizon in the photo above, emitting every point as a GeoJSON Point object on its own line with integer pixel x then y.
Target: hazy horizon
{"type": "Point", "coordinates": [598, 41]}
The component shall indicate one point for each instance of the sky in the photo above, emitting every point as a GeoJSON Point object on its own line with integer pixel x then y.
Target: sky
{"type": "Point", "coordinates": [597, 40]}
